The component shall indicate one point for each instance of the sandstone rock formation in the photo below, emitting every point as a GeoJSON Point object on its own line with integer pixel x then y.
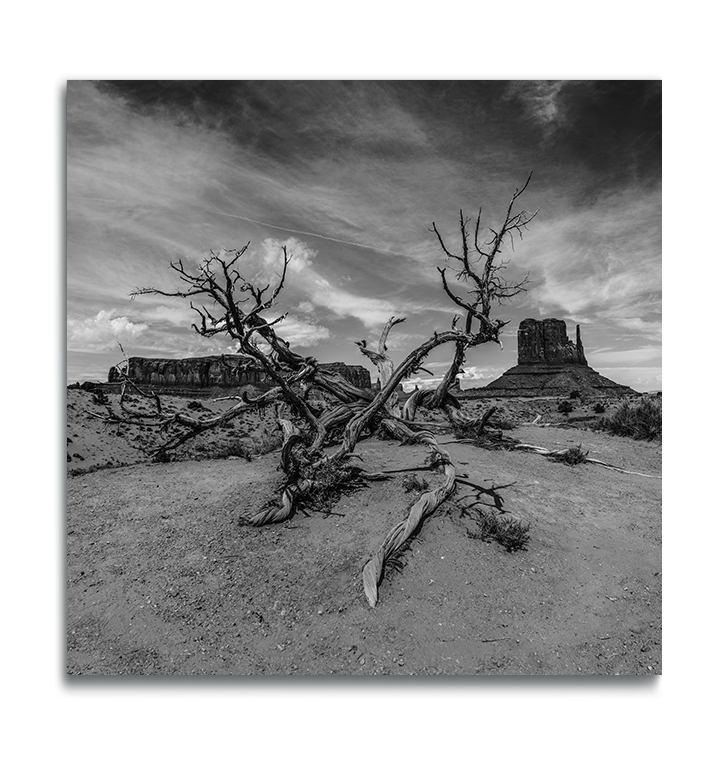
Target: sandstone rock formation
{"type": "Point", "coordinates": [546, 341]}
{"type": "Point", "coordinates": [549, 364]}
{"type": "Point", "coordinates": [195, 374]}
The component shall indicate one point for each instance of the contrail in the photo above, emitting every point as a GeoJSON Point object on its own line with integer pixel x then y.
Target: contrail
{"type": "Point", "coordinates": [278, 228]}
{"type": "Point", "coordinates": [310, 234]}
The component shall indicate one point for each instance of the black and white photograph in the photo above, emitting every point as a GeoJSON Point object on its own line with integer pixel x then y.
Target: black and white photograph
{"type": "Point", "coordinates": [364, 378]}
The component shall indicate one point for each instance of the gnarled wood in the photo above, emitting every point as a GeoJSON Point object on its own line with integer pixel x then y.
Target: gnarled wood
{"type": "Point", "coordinates": [403, 531]}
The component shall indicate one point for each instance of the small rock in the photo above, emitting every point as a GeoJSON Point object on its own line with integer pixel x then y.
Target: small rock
{"type": "Point", "coordinates": [361, 660]}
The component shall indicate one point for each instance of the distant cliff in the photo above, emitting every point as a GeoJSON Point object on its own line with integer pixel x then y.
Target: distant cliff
{"type": "Point", "coordinates": [216, 371]}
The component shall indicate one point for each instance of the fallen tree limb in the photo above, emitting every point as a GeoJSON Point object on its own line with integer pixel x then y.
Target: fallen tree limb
{"type": "Point", "coordinates": [559, 452]}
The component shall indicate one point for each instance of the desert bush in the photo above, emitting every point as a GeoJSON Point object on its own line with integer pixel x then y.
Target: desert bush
{"type": "Point", "coordinates": [413, 483]}
{"type": "Point", "coordinates": [574, 395]}
{"type": "Point", "coordinates": [599, 408]}
{"type": "Point", "coordinates": [638, 419]}
{"type": "Point", "coordinates": [195, 405]}
{"type": "Point", "coordinates": [565, 407]}
{"type": "Point", "coordinates": [573, 456]}
{"type": "Point", "coordinates": [100, 398]}
{"type": "Point", "coordinates": [509, 532]}
{"type": "Point", "coordinates": [489, 438]}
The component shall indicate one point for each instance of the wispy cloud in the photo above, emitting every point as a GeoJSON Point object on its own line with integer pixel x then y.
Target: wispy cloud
{"type": "Point", "coordinates": [541, 101]}
{"type": "Point", "coordinates": [600, 262]}
{"type": "Point", "coordinates": [627, 357]}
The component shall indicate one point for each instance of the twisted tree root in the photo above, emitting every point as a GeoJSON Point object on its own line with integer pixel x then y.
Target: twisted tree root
{"type": "Point", "coordinates": [283, 512]}
{"type": "Point", "coordinates": [402, 532]}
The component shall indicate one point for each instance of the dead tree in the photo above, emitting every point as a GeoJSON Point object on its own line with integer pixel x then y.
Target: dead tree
{"type": "Point", "coordinates": [478, 267]}
{"type": "Point", "coordinates": [230, 305]}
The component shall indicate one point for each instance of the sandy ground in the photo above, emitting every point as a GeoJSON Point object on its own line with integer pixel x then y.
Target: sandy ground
{"type": "Point", "coordinates": [161, 579]}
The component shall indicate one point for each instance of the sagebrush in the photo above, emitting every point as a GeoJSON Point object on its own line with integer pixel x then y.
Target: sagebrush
{"type": "Point", "coordinates": [636, 419]}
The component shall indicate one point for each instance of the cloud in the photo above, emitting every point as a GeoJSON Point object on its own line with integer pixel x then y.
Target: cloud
{"type": "Point", "coordinates": [541, 102]}
{"type": "Point", "coordinates": [624, 358]}
{"type": "Point", "coordinates": [319, 291]}
{"type": "Point", "coordinates": [651, 329]}
{"type": "Point", "coordinates": [101, 332]}
{"type": "Point", "coordinates": [300, 333]}
{"type": "Point", "coordinates": [640, 378]}
{"type": "Point", "coordinates": [599, 263]}
{"type": "Point", "coordinates": [180, 315]}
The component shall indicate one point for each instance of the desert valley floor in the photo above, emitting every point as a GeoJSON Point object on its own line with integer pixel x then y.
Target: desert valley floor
{"type": "Point", "coordinates": [162, 580]}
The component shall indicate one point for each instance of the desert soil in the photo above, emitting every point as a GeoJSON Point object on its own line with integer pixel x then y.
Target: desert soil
{"type": "Point", "coordinates": [162, 579]}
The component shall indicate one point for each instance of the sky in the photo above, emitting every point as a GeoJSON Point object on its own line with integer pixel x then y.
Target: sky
{"type": "Point", "coordinates": [349, 177]}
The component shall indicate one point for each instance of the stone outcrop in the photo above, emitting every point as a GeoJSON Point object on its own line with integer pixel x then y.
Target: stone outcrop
{"type": "Point", "coordinates": [549, 364]}
{"type": "Point", "coordinates": [195, 374]}
{"type": "Point", "coordinates": [546, 341]}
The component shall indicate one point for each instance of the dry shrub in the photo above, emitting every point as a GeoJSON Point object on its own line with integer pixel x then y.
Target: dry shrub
{"type": "Point", "coordinates": [637, 419]}
{"type": "Point", "coordinates": [413, 483]}
{"type": "Point", "coordinates": [502, 423]}
{"type": "Point", "coordinates": [565, 407]}
{"type": "Point", "coordinates": [509, 532]}
{"type": "Point", "coordinates": [572, 456]}
{"type": "Point", "coordinates": [487, 439]}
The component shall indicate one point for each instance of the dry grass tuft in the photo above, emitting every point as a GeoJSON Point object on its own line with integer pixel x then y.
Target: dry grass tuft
{"type": "Point", "coordinates": [573, 456]}
{"type": "Point", "coordinates": [509, 532]}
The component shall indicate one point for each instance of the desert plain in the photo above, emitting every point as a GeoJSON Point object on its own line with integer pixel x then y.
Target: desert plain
{"type": "Point", "coordinates": [162, 578]}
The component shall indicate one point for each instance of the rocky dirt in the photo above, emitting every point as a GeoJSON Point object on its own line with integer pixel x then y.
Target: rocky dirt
{"type": "Point", "coordinates": [161, 579]}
